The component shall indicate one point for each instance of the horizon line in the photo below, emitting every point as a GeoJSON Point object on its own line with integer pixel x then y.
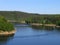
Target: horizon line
{"type": "Point", "coordinates": [30, 12]}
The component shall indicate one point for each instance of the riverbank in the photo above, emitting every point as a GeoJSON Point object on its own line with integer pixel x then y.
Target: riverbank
{"type": "Point", "coordinates": [37, 24]}
{"type": "Point", "coordinates": [6, 33]}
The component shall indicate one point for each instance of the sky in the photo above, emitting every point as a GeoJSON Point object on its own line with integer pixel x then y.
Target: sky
{"type": "Point", "coordinates": [31, 6]}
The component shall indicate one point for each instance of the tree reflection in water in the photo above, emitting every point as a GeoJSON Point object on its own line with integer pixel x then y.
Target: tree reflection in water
{"type": "Point", "coordinates": [5, 39]}
{"type": "Point", "coordinates": [58, 29]}
{"type": "Point", "coordinates": [46, 28]}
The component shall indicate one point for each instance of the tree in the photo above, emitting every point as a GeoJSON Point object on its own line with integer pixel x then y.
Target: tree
{"type": "Point", "coordinates": [4, 25]}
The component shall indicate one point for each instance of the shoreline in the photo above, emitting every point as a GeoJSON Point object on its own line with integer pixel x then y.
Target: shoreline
{"type": "Point", "coordinates": [6, 33]}
{"type": "Point", "coordinates": [37, 24]}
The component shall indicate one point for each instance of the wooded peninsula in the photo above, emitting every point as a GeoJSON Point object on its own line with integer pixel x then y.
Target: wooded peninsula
{"type": "Point", "coordinates": [6, 28]}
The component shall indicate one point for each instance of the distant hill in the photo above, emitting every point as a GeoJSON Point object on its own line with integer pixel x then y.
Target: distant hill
{"type": "Point", "coordinates": [18, 15]}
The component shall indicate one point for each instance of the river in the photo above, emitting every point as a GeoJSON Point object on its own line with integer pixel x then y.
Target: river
{"type": "Point", "coordinates": [32, 35]}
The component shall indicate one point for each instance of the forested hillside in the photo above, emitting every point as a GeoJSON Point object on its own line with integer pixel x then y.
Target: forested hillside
{"type": "Point", "coordinates": [31, 17]}
{"type": "Point", "coordinates": [16, 15]}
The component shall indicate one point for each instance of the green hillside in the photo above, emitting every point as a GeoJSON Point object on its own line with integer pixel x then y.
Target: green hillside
{"type": "Point", "coordinates": [31, 17]}
{"type": "Point", "coordinates": [16, 15]}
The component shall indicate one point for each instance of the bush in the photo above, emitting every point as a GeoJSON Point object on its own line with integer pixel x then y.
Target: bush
{"type": "Point", "coordinates": [58, 23]}
{"type": "Point", "coordinates": [4, 25]}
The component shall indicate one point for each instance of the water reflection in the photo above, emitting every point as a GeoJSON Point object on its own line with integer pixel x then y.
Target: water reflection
{"type": "Point", "coordinates": [46, 28]}
{"type": "Point", "coordinates": [5, 39]}
{"type": "Point", "coordinates": [32, 35]}
{"type": "Point", "coordinates": [58, 29]}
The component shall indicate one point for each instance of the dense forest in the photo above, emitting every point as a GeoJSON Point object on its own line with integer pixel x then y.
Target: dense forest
{"type": "Point", "coordinates": [31, 17]}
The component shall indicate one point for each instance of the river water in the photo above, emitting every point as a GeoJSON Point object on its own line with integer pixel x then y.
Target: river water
{"type": "Point", "coordinates": [32, 35]}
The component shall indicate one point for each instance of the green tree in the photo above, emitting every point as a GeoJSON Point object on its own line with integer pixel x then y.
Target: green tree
{"type": "Point", "coordinates": [4, 25]}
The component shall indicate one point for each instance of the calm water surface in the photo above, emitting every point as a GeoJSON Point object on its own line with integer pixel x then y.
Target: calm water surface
{"type": "Point", "coordinates": [27, 35]}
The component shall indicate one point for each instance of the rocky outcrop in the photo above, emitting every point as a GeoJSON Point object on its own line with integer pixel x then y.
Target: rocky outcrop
{"type": "Point", "coordinates": [6, 33]}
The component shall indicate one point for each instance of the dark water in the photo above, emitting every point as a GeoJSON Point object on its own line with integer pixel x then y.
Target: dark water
{"type": "Point", "coordinates": [27, 35]}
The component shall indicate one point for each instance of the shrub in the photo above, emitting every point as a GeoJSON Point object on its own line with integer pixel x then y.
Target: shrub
{"type": "Point", "coordinates": [4, 25]}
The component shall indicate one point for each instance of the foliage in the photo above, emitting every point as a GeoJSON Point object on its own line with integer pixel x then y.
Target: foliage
{"type": "Point", "coordinates": [4, 25]}
{"type": "Point", "coordinates": [31, 17]}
